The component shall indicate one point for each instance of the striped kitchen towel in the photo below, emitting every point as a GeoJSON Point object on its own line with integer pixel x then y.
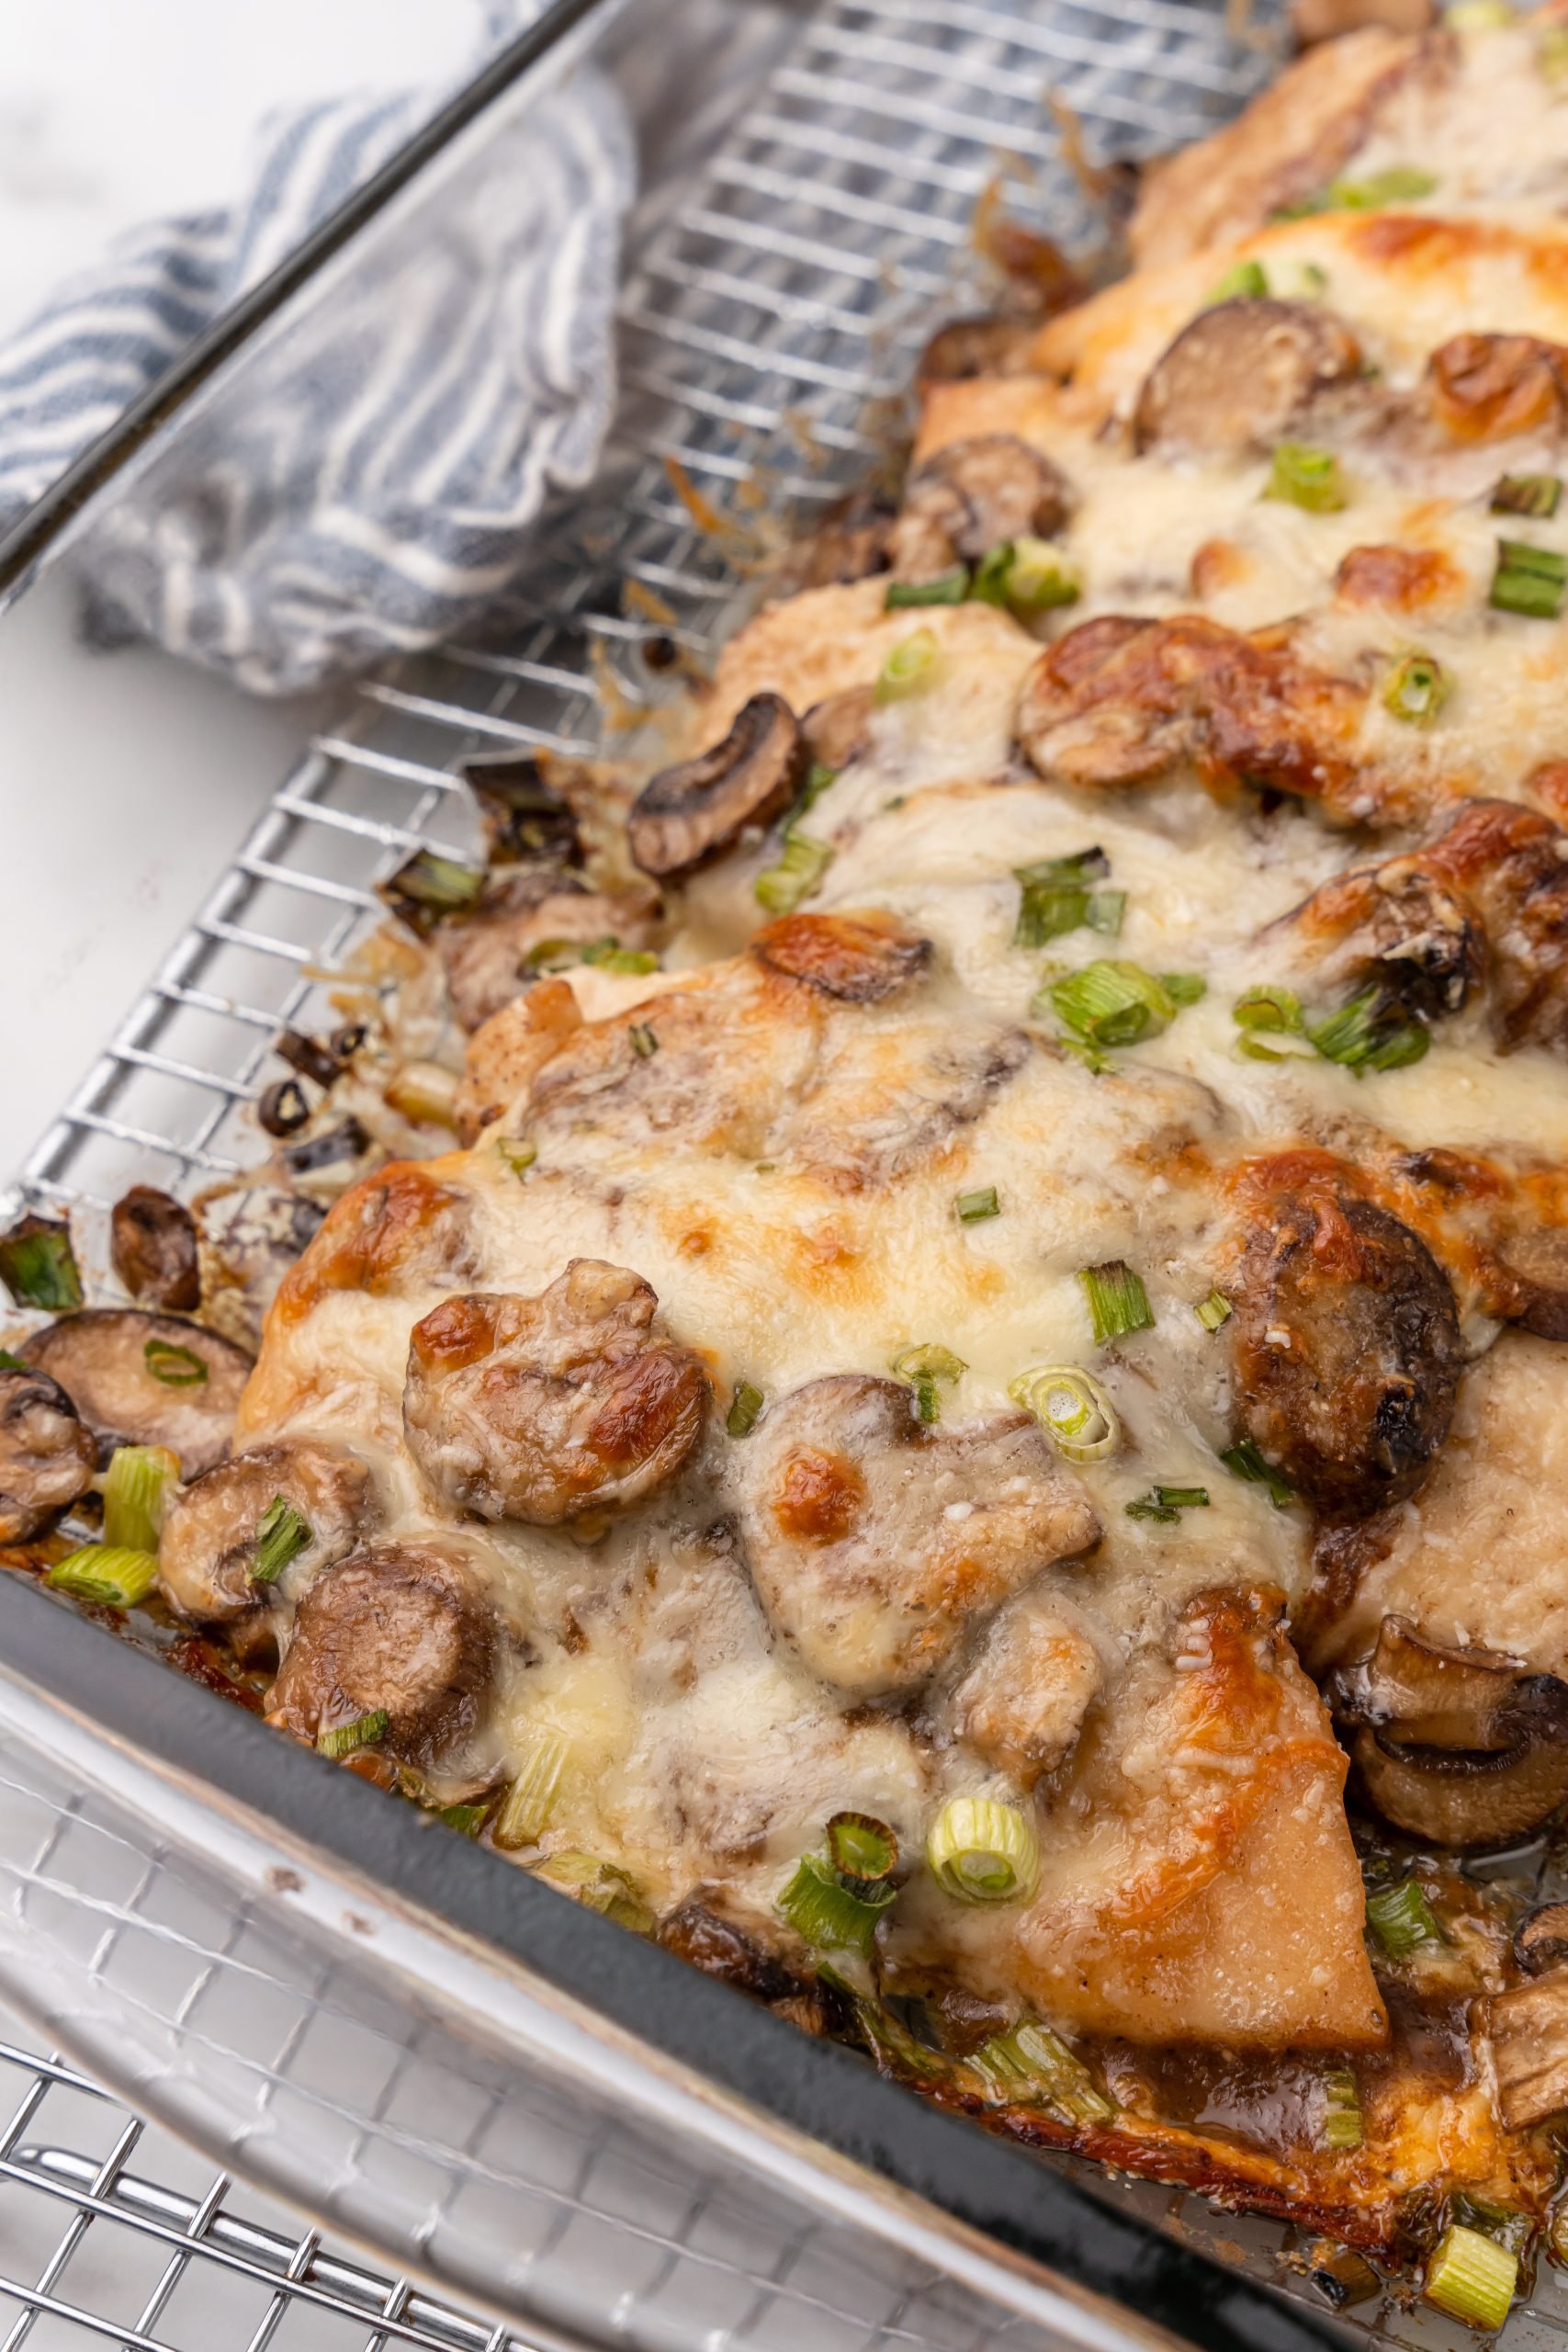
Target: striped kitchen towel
{"type": "Point", "coordinates": [368, 492]}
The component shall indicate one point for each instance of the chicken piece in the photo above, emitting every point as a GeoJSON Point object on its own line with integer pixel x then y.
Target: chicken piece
{"type": "Point", "coordinates": [507, 1052]}
{"type": "Point", "coordinates": [875, 1542]}
{"type": "Point", "coordinates": [207, 1556]}
{"type": "Point", "coordinates": [544, 1408]}
{"type": "Point", "coordinates": [47, 1458]}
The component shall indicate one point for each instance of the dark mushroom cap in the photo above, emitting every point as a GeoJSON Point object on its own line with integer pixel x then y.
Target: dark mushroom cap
{"type": "Point", "coordinates": [522, 815]}
{"type": "Point", "coordinates": [688, 814]}
{"type": "Point", "coordinates": [401, 1628]}
{"type": "Point", "coordinates": [1241, 374]}
{"type": "Point", "coordinates": [849, 543]}
{"type": "Point", "coordinates": [1541, 1940]}
{"type": "Point", "coordinates": [47, 1458]}
{"type": "Point", "coordinates": [1528, 2027]}
{"type": "Point", "coordinates": [153, 1245]}
{"type": "Point", "coordinates": [100, 1357]}
{"type": "Point", "coordinates": [210, 1536]}
{"type": "Point", "coordinates": [991, 344]}
{"type": "Point", "coordinates": [971, 496]}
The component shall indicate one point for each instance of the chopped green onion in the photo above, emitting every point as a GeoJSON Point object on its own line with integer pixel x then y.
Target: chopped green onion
{"type": "Point", "coordinates": [1269, 1007]}
{"type": "Point", "coordinates": [780, 888]}
{"type": "Point", "coordinates": [1400, 184]}
{"type": "Point", "coordinates": [1532, 494]}
{"type": "Point", "coordinates": [1031, 2065]}
{"type": "Point", "coordinates": [1416, 689]}
{"type": "Point", "coordinates": [744, 1407]}
{"type": "Point", "coordinates": [528, 1803]}
{"type": "Point", "coordinates": [922, 1367]}
{"type": "Point", "coordinates": [1056, 898]}
{"type": "Point", "coordinates": [1041, 578]}
{"type": "Point", "coordinates": [466, 1819]}
{"type": "Point", "coordinates": [37, 1265]}
{"type": "Point", "coordinates": [427, 887]}
{"type": "Point", "coordinates": [1244, 1461]}
{"type": "Point", "coordinates": [1213, 1310]}
{"type": "Point", "coordinates": [1082, 867]}
{"type": "Point", "coordinates": [136, 1494]}
{"type": "Point", "coordinates": [1184, 988]}
{"type": "Point", "coordinates": [1306, 476]}
{"type": "Point", "coordinates": [1341, 2126]}
{"type": "Point", "coordinates": [1117, 1300]}
{"type": "Point", "coordinates": [910, 668]}
{"type": "Point", "coordinates": [1369, 1034]}
{"type": "Point", "coordinates": [282, 1533]}
{"type": "Point", "coordinates": [609, 956]}
{"type": "Point", "coordinates": [816, 783]}
{"type": "Point", "coordinates": [1071, 1408]}
{"type": "Point", "coordinates": [981, 1850]}
{"type": "Point", "coordinates": [1504, 2225]}
{"type": "Point", "coordinates": [975, 1207]}
{"type": "Point", "coordinates": [1402, 1919]}
{"type": "Point", "coordinates": [519, 1157]}
{"type": "Point", "coordinates": [9, 1363]}
{"type": "Point", "coordinates": [862, 1847]}
{"type": "Point", "coordinates": [1245, 281]}
{"type": "Point", "coordinates": [1107, 912]}
{"type": "Point", "coordinates": [644, 1043]}
{"type": "Point", "coordinates": [598, 1886]}
{"type": "Point", "coordinates": [113, 1574]}
{"type": "Point", "coordinates": [1112, 1003]}
{"type": "Point", "coordinates": [989, 585]}
{"type": "Point", "coordinates": [552, 955]}
{"type": "Point", "coordinates": [176, 1367]}
{"type": "Point", "coordinates": [1168, 1503]}
{"type": "Point", "coordinates": [824, 1912]}
{"type": "Point", "coordinates": [1471, 2277]}
{"type": "Point", "coordinates": [1528, 580]}
{"type": "Point", "coordinates": [1551, 54]}
{"type": "Point", "coordinates": [948, 588]}
{"type": "Point", "coordinates": [348, 1739]}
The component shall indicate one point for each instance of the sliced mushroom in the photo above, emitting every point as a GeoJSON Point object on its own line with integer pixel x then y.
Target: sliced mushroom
{"type": "Point", "coordinates": [1346, 1355]}
{"type": "Point", "coordinates": [1393, 925]}
{"type": "Point", "coordinates": [993, 345]}
{"type": "Point", "coordinates": [1495, 387]}
{"type": "Point", "coordinates": [1241, 374]}
{"type": "Point", "coordinates": [1464, 1746]}
{"type": "Point", "coordinates": [153, 1245]}
{"type": "Point", "coordinates": [838, 730]}
{"type": "Point", "coordinates": [1541, 1940]}
{"type": "Point", "coordinates": [1528, 2031]}
{"type": "Point", "coordinates": [875, 1541]}
{"type": "Point", "coordinates": [1509, 865]}
{"type": "Point", "coordinates": [47, 1458]}
{"type": "Point", "coordinates": [544, 1408]}
{"type": "Point", "coordinates": [1023, 1703]}
{"type": "Point", "coordinates": [401, 1629]}
{"type": "Point", "coordinates": [858, 959]}
{"type": "Point", "coordinates": [971, 496]}
{"type": "Point", "coordinates": [523, 817]}
{"type": "Point", "coordinates": [849, 543]}
{"type": "Point", "coordinates": [491, 955]}
{"type": "Point", "coordinates": [207, 1556]}
{"type": "Point", "coordinates": [139, 1379]}
{"type": "Point", "coordinates": [702, 1937]}
{"type": "Point", "coordinates": [690, 813]}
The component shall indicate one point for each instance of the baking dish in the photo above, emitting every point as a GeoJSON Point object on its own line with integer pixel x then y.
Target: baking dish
{"type": "Point", "coordinates": [811, 110]}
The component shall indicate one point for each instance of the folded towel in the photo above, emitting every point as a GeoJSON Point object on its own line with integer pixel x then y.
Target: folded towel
{"type": "Point", "coordinates": [375, 500]}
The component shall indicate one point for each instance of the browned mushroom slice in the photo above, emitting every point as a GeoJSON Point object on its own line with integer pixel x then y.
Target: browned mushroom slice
{"type": "Point", "coordinates": [544, 1408]}
{"type": "Point", "coordinates": [524, 816]}
{"type": "Point", "coordinates": [859, 958]}
{"type": "Point", "coordinates": [1510, 865]}
{"type": "Point", "coordinates": [971, 496]}
{"type": "Point", "coordinates": [525, 915]}
{"type": "Point", "coordinates": [993, 345]}
{"type": "Point", "coordinates": [703, 1938]}
{"type": "Point", "coordinates": [849, 543]}
{"type": "Point", "coordinates": [1393, 925]}
{"type": "Point", "coordinates": [1345, 1355]}
{"type": "Point", "coordinates": [153, 1244]}
{"type": "Point", "coordinates": [1023, 1700]}
{"type": "Point", "coordinates": [139, 1379]}
{"type": "Point", "coordinates": [396, 1628]}
{"type": "Point", "coordinates": [1463, 1747]}
{"type": "Point", "coordinates": [875, 1543]}
{"type": "Point", "coordinates": [1529, 2031]}
{"type": "Point", "coordinates": [688, 814]}
{"type": "Point", "coordinates": [1241, 375]}
{"type": "Point", "coordinates": [1495, 386]}
{"type": "Point", "coordinates": [47, 1458]}
{"type": "Point", "coordinates": [1541, 1940]}
{"type": "Point", "coordinates": [838, 730]}
{"type": "Point", "coordinates": [208, 1554]}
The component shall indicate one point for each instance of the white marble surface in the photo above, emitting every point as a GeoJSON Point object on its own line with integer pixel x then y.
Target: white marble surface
{"type": "Point", "coordinates": [125, 781]}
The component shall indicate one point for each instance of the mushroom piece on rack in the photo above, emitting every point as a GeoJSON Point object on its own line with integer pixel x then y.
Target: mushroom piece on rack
{"type": "Point", "coordinates": [47, 1458]}
{"type": "Point", "coordinates": [141, 1379]}
{"type": "Point", "coordinates": [692, 812]}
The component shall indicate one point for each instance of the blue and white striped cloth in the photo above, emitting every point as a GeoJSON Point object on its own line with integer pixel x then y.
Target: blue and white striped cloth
{"type": "Point", "coordinates": [374, 501]}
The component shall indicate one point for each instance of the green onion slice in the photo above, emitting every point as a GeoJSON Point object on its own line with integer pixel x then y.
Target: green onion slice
{"type": "Point", "coordinates": [466, 1819]}
{"type": "Point", "coordinates": [826, 1913]}
{"type": "Point", "coordinates": [1400, 184]}
{"type": "Point", "coordinates": [136, 1495]}
{"type": "Point", "coordinates": [1402, 1920]}
{"type": "Point", "coordinates": [862, 1847]}
{"type": "Point", "coordinates": [1213, 1310]}
{"type": "Point", "coordinates": [1471, 2277]}
{"type": "Point", "coordinates": [780, 888]}
{"type": "Point", "coordinates": [1536, 496]}
{"type": "Point", "coordinates": [1071, 1408]}
{"type": "Point", "coordinates": [1528, 580]}
{"type": "Point", "coordinates": [1040, 578]}
{"type": "Point", "coordinates": [644, 1043]}
{"type": "Point", "coordinates": [1117, 1300]}
{"type": "Point", "coordinates": [912, 667]}
{"type": "Point", "coordinates": [282, 1533]}
{"type": "Point", "coordinates": [609, 956]}
{"type": "Point", "coordinates": [598, 1886]}
{"type": "Point", "coordinates": [1184, 988]}
{"type": "Point", "coordinates": [981, 1850]}
{"type": "Point", "coordinates": [1269, 1007]}
{"type": "Point", "coordinates": [37, 1265]}
{"type": "Point", "coordinates": [922, 1367]}
{"type": "Point", "coordinates": [176, 1367]}
{"type": "Point", "coordinates": [1244, 1461]}
{"type": "Point", "coordinates": [113, 1574]}
{"type": "Point", "coordinates": [1341, 2127]}
{"type": "Point", "coordinates": [744, 1407]}
{"type": "Point", "coordinates": [1245, 281]}
{"type": "Point", "coordinates": [818, 782]}
{"type": "Point", "coordinates": [948, 588]}
{"type": "Point", "coordinates": [975, 1207]}
{"type": "Point", "coordinates": [519, 1157]}
{"type": "Point", "coordinates": [1306, 476]}
{"type": "Point", "coordinates": [1417, 688]}
{"type": "Point", "coordinates": [1033, 2066]}
{"type": "Point", "coordinates": [525, 1809]}
{"type": "Point", "coordinates": [989, 585]}
{"type": "Point", "coordinates": [1055, 899]}
{"type": "Point", "coordinates": [1112, 1003]}
{"type": "Point", "coordinates": [348, 1739]}
{"type": "Point", "coordinates": [1168, 1503]}
{"type": "Point", "coordinates": [1369, 1034]}
{"type": "Point", "coordinates": [425, 888]}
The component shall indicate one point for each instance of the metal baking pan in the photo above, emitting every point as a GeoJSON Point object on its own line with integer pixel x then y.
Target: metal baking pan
{"type": "Point", "coordinates": [394, 2028]}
